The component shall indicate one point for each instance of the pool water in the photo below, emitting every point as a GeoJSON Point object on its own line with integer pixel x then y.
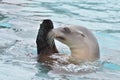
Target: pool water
{"type": "Point", "coordinates": [19, 23]}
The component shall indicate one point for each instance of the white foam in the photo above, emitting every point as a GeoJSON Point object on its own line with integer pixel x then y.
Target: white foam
{"type": "Point", "coordinates": [72, 68]}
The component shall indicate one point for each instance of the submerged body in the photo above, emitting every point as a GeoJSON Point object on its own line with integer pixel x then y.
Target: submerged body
{"type": "Point", "coordinates": [82, 43]}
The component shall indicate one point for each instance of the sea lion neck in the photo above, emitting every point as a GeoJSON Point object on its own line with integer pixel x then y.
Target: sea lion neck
{"type": "Point", "coordinates": [80, 53]}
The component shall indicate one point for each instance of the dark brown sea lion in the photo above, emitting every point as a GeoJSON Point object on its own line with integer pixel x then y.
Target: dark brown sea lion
{"type": "Point", "coordinates": [44, 47]}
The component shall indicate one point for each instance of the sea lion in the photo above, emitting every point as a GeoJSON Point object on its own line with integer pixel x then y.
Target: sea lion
{"type": "Point", "coordinates": [44, 48]}
{"type": "Point", "coordinates": [82, 43]}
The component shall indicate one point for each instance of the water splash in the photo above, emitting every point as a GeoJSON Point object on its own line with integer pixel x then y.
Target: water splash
{"type": "Point", "coordinates": [86, 67]}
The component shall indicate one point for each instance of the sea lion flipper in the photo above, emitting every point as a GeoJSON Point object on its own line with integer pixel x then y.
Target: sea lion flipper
{"type": "Point", "coordinates": [43, 45]}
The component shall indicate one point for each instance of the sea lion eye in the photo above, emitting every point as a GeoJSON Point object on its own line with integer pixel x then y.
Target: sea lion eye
{"type": "Point", "coordinates": [82, 35]}
{"type": "Point", "coordinates": [66, 30]}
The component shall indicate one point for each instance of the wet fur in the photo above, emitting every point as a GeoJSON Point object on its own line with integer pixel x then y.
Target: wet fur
{"type": "Point", "coordinates": [45, 43]}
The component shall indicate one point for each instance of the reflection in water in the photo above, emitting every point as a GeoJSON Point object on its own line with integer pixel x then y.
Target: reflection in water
{"type": "Point", "coordinates": [42, 70]}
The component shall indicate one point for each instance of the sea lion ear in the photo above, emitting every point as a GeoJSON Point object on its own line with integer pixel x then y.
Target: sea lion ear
{"type": "Point", "coordinates": [66, 30]}
{"type": "Point", "coordinates": [82, 34]}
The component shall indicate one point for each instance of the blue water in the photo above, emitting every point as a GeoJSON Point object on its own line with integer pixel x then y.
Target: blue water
{"type": "Point", "coordinates": [19, 23]}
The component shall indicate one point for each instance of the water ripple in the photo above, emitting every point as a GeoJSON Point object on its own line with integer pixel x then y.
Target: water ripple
{"type": "Point", "coordinates": [5, 25]}
{"type": "Point", "coordinates": [109, 31]}
{"type": "Point", "coordinates": [2, 17]}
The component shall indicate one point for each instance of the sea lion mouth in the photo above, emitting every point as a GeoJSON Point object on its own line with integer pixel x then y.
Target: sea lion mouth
{"type": "Point", "coordinates": [60, 37]}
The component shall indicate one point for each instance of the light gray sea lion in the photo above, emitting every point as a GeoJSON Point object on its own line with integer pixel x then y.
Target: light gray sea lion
{"type": "Point", "coordinates": [82, 43]}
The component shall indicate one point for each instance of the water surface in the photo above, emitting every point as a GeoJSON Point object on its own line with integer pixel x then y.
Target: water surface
{"type": "Point", "coordinates": [19, 23]}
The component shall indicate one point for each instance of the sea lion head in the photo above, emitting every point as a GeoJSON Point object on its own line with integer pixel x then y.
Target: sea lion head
{"type": "Point", "coordinates": [80, 40]}
{"type": "Point", "coordinates": [70, 36]}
